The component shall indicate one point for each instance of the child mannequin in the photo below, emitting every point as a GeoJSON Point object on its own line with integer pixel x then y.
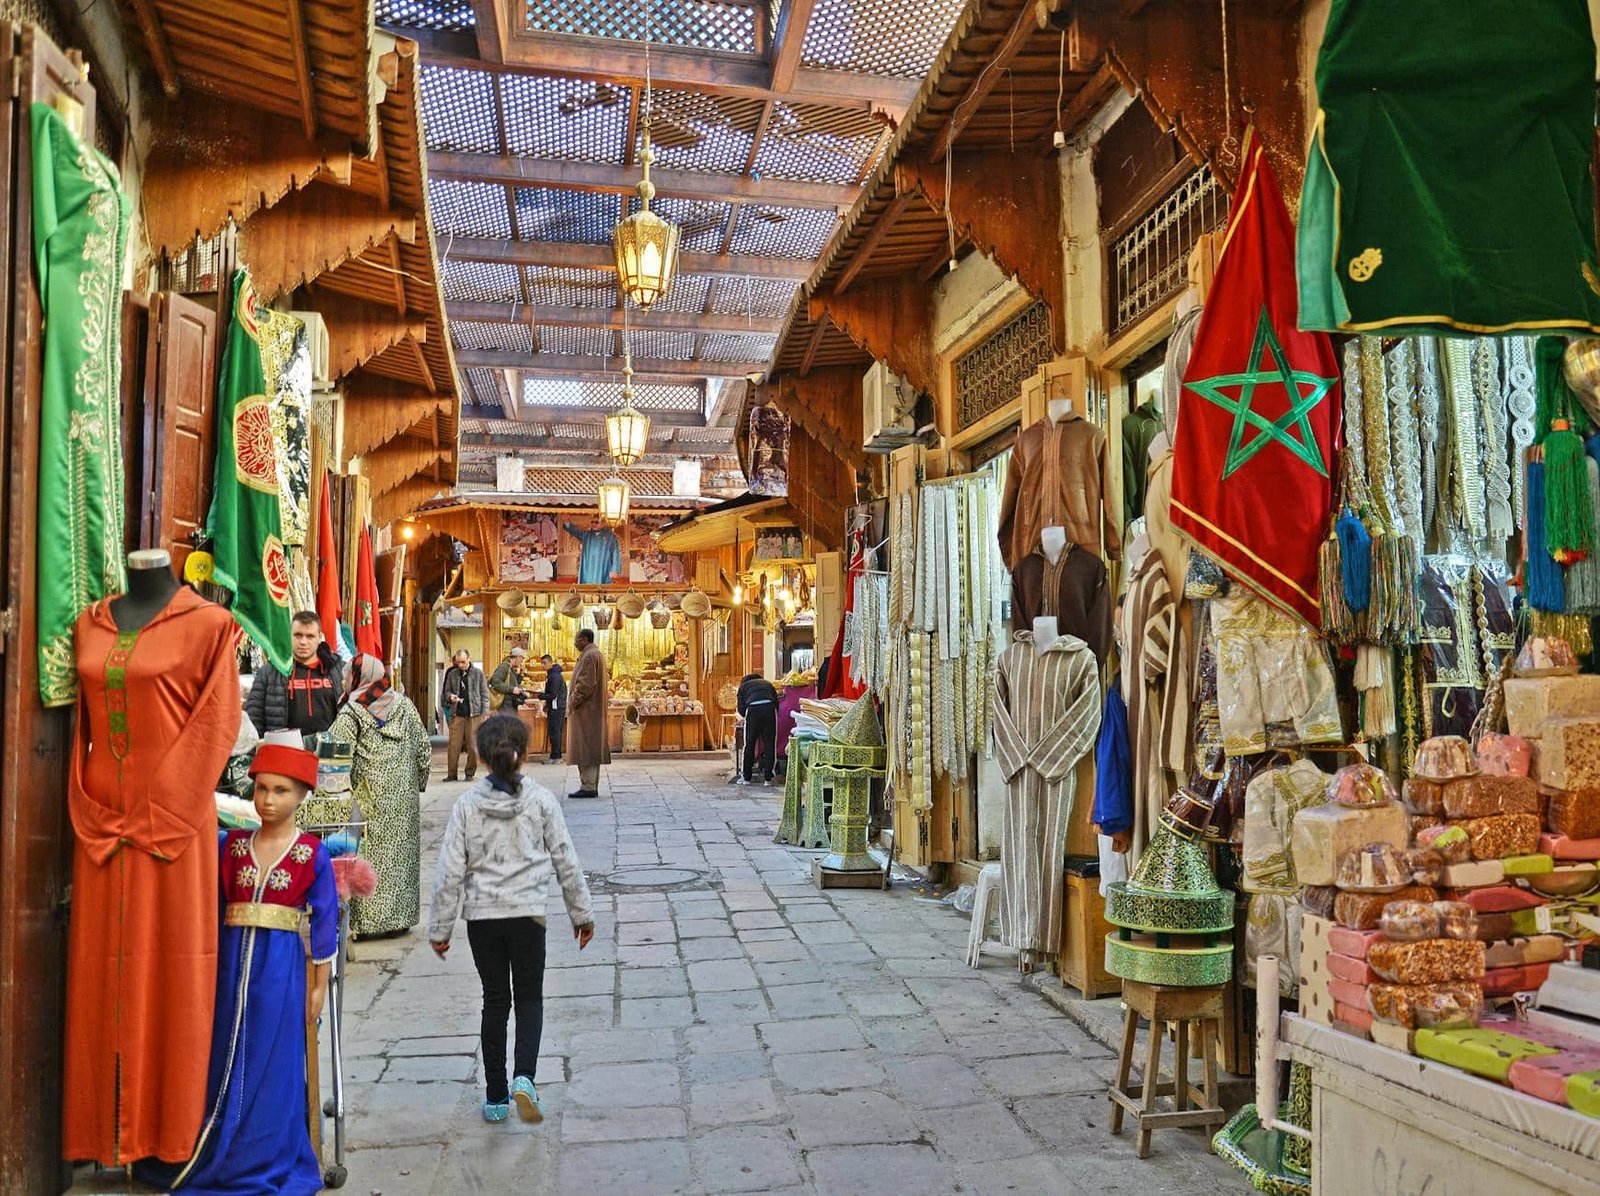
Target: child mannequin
{"type": "Point", "coordinates": [505, 842]}
{"type": "Point", "coordinates": [255, 1137]}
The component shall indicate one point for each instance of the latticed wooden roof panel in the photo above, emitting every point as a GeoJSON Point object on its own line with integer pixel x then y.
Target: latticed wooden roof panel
{"type": "Point", "coordinates": [688, 294]}
{"type": "Point", "coordinates": [572, 288]}
{"type": "Point", "coordinates": [726, 347]}
{"type": "Point", "coordinates": [756, 297]}
{"type": "Point", "coordinates": [427, 14]}
{"type": "Point", "coordinates": [607, 392]}
{"type": "Point", "coordinates": [702, 224]}
{"type": "Point", "coordinates": [469, 209]}
{"type": "Point", "coordinates": [879, 37]}
{"type": "Point", "coordinates": [691, 130]}
{"type": "Point", "coordinates": [783, 232]}
{"type": "Point", "coordinates": [481, 282]}
{"type": "Point", "coordinates": [729, 27]}
{"type": "Point", "coordinates": [579, 342]}
{"type": "Point", "coordinates": [663, 346]}
{"type": "Point", "coordinates": [482, 334]}
{"type": "Point", "coordinates": [566, 119]}
{"type": "Point", "coordinates": [458, 110]}
{"type": "Point", "coordinates": [569, 217]}
{"type": "Point", "coordinates": [819, 145]}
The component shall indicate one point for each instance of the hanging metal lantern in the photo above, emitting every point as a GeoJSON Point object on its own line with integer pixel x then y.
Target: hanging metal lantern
{"type": "Point", "coordinates": [627, 430]}
{"type": "Point", "coordinates": [613, 496]}
{"type": "Point", "coordinates": [646, 245]}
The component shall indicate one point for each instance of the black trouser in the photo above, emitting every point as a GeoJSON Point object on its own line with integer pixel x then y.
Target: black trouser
{"type": "Point", "coordinates": [509, 954]}
{"type": "Point", "coordinates": [558, 727]}
{"type": "Point", "coordinates": [760, 723]}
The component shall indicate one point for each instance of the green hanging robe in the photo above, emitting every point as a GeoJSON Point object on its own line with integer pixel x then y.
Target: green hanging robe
{"type": "Point", "coordinates": [1449, 184]}
{"type": "Point", "coordinates": [80, 221]}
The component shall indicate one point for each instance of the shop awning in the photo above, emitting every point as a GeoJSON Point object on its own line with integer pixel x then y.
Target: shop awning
{"type": "Point", "coordinates": [722, 524]}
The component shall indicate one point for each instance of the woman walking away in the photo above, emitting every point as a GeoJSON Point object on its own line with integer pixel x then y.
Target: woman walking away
{"type": "Point", "coordinates": [387, 776]}
{"type": "Point", "coordinates": [505, 840]}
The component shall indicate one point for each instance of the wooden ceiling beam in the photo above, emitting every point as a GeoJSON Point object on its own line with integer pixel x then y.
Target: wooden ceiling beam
{"type": "Point", "coordinates": [302, 68]}
{"type": "Point", "coordinates": [594, 415]}
{"type": "Point", "coordinates": [561, 255]}
{"type": "Point", "coordinates": [155, 40]}
{"type": "Point", "coordinates": [818, 332]}
{"type": "Point", "coordinates": [972, 101]}
{"type": "Point", "coordinates": [569, 365]}
{"type": "Point", "coordinates": [744, 76]}
{"type": "Point", "coordinates": [890, 318]}
{"type": "Point", "coordinates": [533, 441]}
{"type": "Point", "coordinates": [881, 228]}
{"type": "Point", "coordinates": [489, 25]}
{"type": "Point", "coordinates": [553, 316]}
{"type": "Point", "coordinates": [787, 40]}
{"type": "Point", "coordinates": [514, 171]}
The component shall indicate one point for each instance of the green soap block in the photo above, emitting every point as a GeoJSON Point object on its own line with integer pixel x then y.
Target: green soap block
{"type": "Point", "coordinates": [1583, 1092]}
{"type": "Point", "coordinates": [1525, 923]}
{"type": "Point", "coordinates": [1528, 865]}
{"type": "Point", "coordinates": [1488, 1053]}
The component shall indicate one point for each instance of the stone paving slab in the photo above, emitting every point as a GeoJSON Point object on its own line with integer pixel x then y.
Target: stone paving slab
{"type": "Point", "coordinates": [757, 1036]}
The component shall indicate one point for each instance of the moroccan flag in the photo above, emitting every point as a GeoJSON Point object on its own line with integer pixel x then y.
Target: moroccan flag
{"type": "Point", "coordinates": [329, 609]}
{"type": "Point", "coordinates": [244, 522]}
{"type": "Point", "coordinates": [369, 638]}
{"type": "Point", "coordinates": [1258, 428]}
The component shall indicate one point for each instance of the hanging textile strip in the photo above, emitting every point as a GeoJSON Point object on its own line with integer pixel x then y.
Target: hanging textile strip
{"type": "Point", "coordinates": [1583, 577]}
{"type": "Point", "coordinates": [1492, 405]}
{"type": "Point", "coordinates": [921, 762]}
{"type": "Point", "coordinates": [1467, 465]}
{"type": "Point", "coordinates": [1411, 732]}
{"type": "Point", "coordinates": [1374, 679]}
{"type": "Point", "coordinates": [952, 568]}
{"type": "Point", "coordinates": [1425, 358]}
{"type": "Point", "coordinates": [1392, 617]}
{"type": "Point", "coordinates": [1517, 362]}
{"type": "Point", "coordinates": [1355, 444]}
{"type": "Point", "coordinates": [925, 618]}
{"type": "Point", "coordinates": [1375, 428]}
{"type": "Point", "coordinates": [1406, 446]}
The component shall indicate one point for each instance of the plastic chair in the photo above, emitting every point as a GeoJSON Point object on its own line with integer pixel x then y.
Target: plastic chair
{"type": "Point", "coordinates": [988, 893]}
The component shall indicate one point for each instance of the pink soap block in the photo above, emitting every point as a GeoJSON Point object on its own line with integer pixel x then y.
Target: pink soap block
{"type": "Point", "coordinates": [1546, 1077]}
{"type": "Point", "coordinates": [1358, 1016]}
{"type": "Point", "coordinates": [1498, 899]}
{"type": "Point", "coordinates": [1345, 993]}
{"type": "Point", "coordinates": [1354, 943]}
{"type": "Point", "coordinates": [1350, 969]}
{"type": "Point", "coordinates": [1563, 848]}
{"type": "Point", "coordinates": [1544, 1035]}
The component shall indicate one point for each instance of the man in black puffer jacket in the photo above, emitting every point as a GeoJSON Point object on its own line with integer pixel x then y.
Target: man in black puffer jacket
{"type": "Point", "coordinates": [758, 703]}
{"type": "Point", "coordinates": [308, 698]}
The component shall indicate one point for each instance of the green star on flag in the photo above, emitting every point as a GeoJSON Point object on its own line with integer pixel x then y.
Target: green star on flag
{"type": "Point", "coordinates": [1301, 441]}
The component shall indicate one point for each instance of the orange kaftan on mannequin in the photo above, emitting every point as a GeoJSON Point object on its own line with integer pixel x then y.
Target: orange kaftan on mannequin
{"type": "Point", "coordinates": [158, 715]}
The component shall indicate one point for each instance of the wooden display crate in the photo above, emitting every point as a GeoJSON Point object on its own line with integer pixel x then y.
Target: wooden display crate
{"type": "Point", "coordinates": [1083, 938]}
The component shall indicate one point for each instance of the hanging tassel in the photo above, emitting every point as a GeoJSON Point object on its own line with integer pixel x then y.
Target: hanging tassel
{"type": "Point", "coordinates": [1546, 588]}
{"type": "Point", "coordinates": [1355, 552]}
{"type": "Point", "coordinates": [1568, 521]}
{"type": "Point", "coordinates": [1339, 623]}
{"type": "Point", "coordinates": [1583, 578]}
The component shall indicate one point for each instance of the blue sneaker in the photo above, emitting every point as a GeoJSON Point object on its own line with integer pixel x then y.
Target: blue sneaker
{"type": "Point", "coordinates": [527, 1098]}
{"type": "Point", "coordinates": [494, 1114]}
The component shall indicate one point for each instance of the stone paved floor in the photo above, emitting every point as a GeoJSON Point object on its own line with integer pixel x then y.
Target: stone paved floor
{"type": "Point", "coordinates": [754, 1035]}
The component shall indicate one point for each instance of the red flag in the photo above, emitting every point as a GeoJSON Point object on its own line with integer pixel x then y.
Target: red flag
{"type": "Point", "coordinates": [329, 609]}
{"type": "Point", "coordinates": [1258, 429]}
{"type": "Point", "coordinates": [840, 683]}
{"type": "Point", "coordinates": [369, 638]}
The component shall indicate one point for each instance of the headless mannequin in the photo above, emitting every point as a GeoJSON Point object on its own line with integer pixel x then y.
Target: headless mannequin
{"type": "Point", "coordinates": [1046, 633]}
{"type": "Point", "coordinates": [151, 586]}
{"type": "Point", "coordinates": [1057, 410]}
{"type": "Point", "coordinates": [1054, 542]}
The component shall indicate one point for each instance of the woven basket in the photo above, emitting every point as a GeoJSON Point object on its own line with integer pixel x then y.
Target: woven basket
{"type": "Point", "coordinates": [632, 731]}
{"type": "Point", "coordinates": [602, 617]}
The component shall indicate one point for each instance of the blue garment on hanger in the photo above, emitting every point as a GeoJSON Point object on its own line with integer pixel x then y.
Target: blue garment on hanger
{"type": "Point", "coordinates": [1113, 764]}
{"type": "Point", "coordinates": [602, 555]}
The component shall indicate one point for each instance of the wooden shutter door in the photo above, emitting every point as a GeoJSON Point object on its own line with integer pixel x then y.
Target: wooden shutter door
{"type": "Point", "coordinates": [35, 851]}
{"type": "Point", "coordinates": [180, 400]}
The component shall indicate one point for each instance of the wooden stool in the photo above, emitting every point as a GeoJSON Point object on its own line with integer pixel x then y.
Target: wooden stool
{"type": "Point", "coordinates": [1160, 1004]}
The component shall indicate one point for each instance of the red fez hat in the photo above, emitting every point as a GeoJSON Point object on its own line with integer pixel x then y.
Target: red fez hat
{"type": "Point", "coordinates": [295, 763]}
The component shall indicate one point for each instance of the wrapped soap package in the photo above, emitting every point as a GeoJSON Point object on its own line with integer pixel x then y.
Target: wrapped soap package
{"type": "Point", "coordinates": [1374, 868]}
{"type": "Point", "coordinates": [1574, 813]}
{"type": "Point", "coordinates": [1425, 865]}
{"type": "Point", "coordinates": [1444, 758]}
{"type": "Point", "coordinates": [1409, 921]}
{"type": "Point", "coordinates": [1484, 796]}
{"type": "Point", "coordinates": [1503, 755]}
{"type": "Point", "coordinates": [1427, 961]}
{"type": "Point", "coordinates": [1423, 796]}
{"type": "Point", "coordinates": [1361, 785]}
{"type": "Point", "coordinates": [1318, 900]}
{"type": "Point", "coordinates": [1524, 952]}
{"type": "Point", "coordinates": [1362, 911]}
{"type": "Point", "coordinates": [1568, 756]}
{"type": "Point", "coordinates": [1533, 701]}
{"type": "Point", "coordinates": [1457, 920]}
{"type": "Point", "coordinates": [1502, 835]}
{"type": "Point", "coordinates": [1322, 835]}
{"type": "Point", "coordinates": [1452, 843]}
{"type": "Point", "coordinates": [1434, 1006]}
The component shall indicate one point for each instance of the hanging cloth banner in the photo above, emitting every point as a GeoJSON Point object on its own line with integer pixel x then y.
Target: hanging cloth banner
{"type": "Point", "coordinates": [1252, 480]}
{"type": "Point", "coordinates": [80, 222]}
{"type": "Point", "coordinates": [1448, 184]}
{"type": "Point", "coordinates": [369, 638]}
{"type": "Point", "coordinates": [329, 607]}
{"type": "Point", "coordinates": [245, 520]}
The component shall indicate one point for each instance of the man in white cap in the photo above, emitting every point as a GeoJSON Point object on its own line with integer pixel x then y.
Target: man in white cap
{"type": "Point", "coordinates": [507, 680]}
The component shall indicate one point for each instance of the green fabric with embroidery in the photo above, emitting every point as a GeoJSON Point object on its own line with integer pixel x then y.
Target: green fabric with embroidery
{"type": "Point", "coordinates": [1448, 184]}
{"type": "Point", "coordinates": [80, 220]}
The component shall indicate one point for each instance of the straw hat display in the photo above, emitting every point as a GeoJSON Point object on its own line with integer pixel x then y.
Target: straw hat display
{"type": "Point", "coordinates": [630, 605]}
{"type": "Point", "coordinates": [695, 604]}
{"type": "Point", "coordinates": [570, 606]}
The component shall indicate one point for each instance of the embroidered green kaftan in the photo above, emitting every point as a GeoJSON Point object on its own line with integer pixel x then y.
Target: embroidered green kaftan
{"type": "Point", "coordinates": [80, 219]}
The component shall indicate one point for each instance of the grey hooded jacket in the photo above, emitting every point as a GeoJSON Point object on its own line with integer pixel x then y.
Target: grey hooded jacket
{"type": "Point", "coordinates": [499, 854]}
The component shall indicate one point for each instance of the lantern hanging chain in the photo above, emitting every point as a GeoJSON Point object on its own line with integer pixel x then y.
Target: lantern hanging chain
{"type": "Point", "coordinates": [1230, 143]}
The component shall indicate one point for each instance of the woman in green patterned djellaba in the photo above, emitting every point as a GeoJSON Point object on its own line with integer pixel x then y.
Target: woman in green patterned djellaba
{"type": "Point", "coordinates": [387, 777]}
